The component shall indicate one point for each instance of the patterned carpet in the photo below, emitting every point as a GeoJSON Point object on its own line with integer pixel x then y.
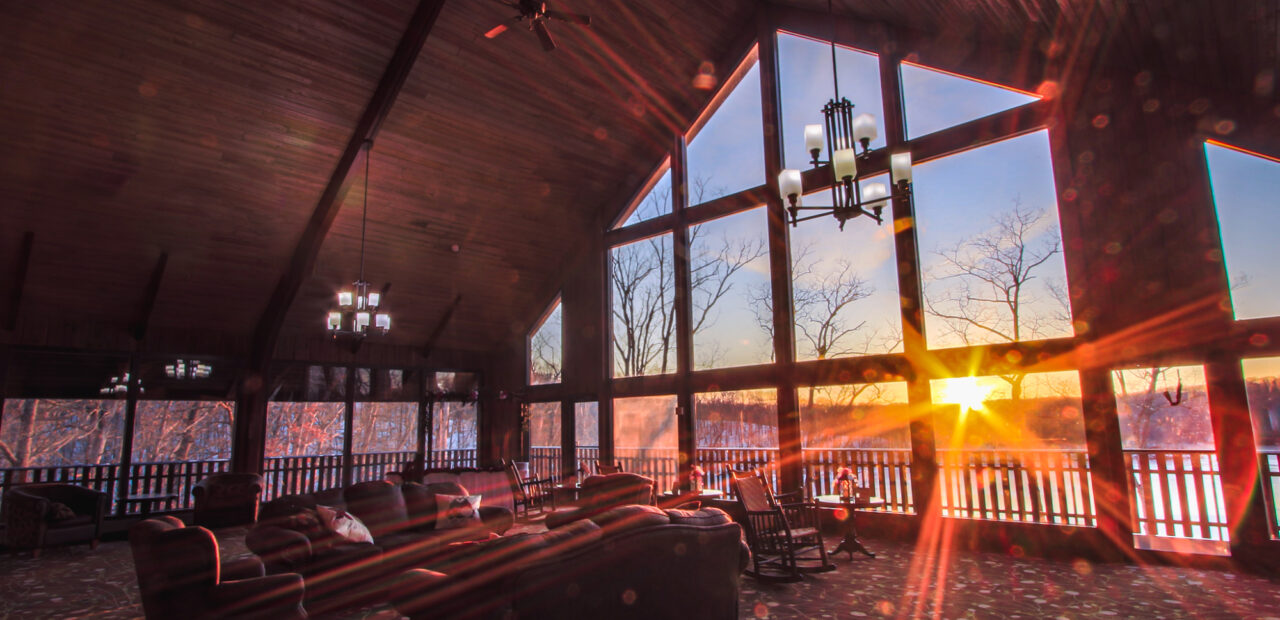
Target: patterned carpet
{"type": "Point", "coordinates": [74, 582]}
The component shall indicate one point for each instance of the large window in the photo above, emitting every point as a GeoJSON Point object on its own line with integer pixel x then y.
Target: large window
{"type": "Point", "coordinates": [990, 245]}
{"type": "Point", "coordinates": [735, 431]}
{"type": "Point", "coordinates": [729, 274]}
{"type": "Point", "coordinates": [1174, 482]}
{"type": "Point", "coordinates": [38, 432]}
{"type": "Point", "coordinates": [178, 431]}
{"type": "Point", "coordinates": [1245, 186]}
{"type": "Point", "coordinates": [845, 289]}
{"type": "Point", "coordinates": [645, 437]}
{"type": "Point", "coordinates": [544, 439]}
{"type": "Point", "coordinates": [935, 100]}
{"type": "Point", "coordinates": [546, 349]}
{"type": "Point", "coordinates": [863, 426]}
{"type": "Point", "coordinates": [656, 201]}
{"type": "Point", "coordinates": [586, 434]}
{"type": "Point", "coordinates": [1012, 448]}
{"type": "Point", "coordinates": [806, 85]}
{"type": "Point", "coordinates": [727, 155]}
{"type": "Point", "coordinates": [1262, 384]}
{"type": "Point", "coordinates": [644, 321]}
{"type": "Point", "coordinates": [454, 434]}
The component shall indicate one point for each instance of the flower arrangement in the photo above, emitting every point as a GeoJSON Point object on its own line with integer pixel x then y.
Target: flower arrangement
{"type": "Point", "coordinates": [845, 481]}
{"type": "Point", "coordinates": [844, 473]}
{"type": "Point", "coordinates": [695, 475]}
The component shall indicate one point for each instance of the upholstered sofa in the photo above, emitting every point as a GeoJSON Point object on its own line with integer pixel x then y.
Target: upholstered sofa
{"type": "Point", "coordinates": [627, 562]}
{"type": "Point", "coordinates": [181, 577]}
{"type": "Point", "coordinates": [37, 515]}
{"type": "Point", "coordinates": [597, 494]}
{"type": "Point", "coordinates": [338, 573]}
{"type": "Point", "coordinates": [226, 499]}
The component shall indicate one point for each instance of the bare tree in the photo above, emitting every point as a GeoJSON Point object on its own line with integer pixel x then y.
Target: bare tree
{"type": "Point", "coordinates": [545, 349]}
{"type": "Point", "coordinates": [988, 276]}
{"type": "Point", "coordinates": [643, 281]}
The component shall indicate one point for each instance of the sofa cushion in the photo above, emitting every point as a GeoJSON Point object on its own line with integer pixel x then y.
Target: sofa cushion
{"type": "Point", "coordinates": [420, 501]}
{"type": "Point", "coordinates": [705, 516]}
{"type": "Point", "coordinates": [59, 511]}
{"type": "Point", "coordinates": [380, 505]}
{"type": "Point", "coordinates": [457, 511]}
{"type": "Point", "coordinates": [624, 518]}
{"type": "Point", "coordinates": [344, 524]}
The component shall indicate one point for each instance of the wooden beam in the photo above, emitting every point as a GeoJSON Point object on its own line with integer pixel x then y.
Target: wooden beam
{"type": "Point", "coordinates": [19, 281]}
{"type": "Point", "coordinates": [308, 248]}
{"type": "Point", "coordinates": [249, 436]}
{"type": "Point", "coordinates": [149, 296]}
{"type": "Point", "coordinates": [430, 344]}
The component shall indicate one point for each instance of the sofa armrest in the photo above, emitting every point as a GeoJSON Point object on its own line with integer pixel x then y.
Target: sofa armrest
{"type": "Point", "coordinates": [280, 549]}
{"type": "Point", "coordinates": [242, 568]}
{"type": "Point", "coordinates": [416, 592]}
{"type": "Point", "coordinates": [276, 597]}
{"type": "Point", "coordinates": [497, 518]}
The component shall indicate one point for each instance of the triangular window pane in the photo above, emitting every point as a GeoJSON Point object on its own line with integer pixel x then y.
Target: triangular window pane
{"type": "Point", "coordinates": [804, 67]}
{"type": "Point", "coordinates": [937, 100]}
{"type": "Point", "coordinates": [546, 348]}
{"type": "Point", "coordinates": [657, 201]}
{"type": "Point", "coordinates": [1244, 189]}
{"type": "Point", "coordinates": [727, 155]}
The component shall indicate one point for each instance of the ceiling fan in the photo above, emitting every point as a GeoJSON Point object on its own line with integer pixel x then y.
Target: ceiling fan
{"type": "Point", "coordinates": [537, 13]}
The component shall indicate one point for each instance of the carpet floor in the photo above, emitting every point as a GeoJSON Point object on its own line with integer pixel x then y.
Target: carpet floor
{"type": "Point", "coordinates": [75, 582]}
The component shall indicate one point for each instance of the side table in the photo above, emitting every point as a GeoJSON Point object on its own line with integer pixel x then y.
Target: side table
{"type": "Point", "coordinates": [849, 542]}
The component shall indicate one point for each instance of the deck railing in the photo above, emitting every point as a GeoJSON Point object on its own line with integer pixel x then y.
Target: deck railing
{"type": "Point", "coordinates": [1269, 459]}
{"type": "Point", "coordinates": [1177, 494]}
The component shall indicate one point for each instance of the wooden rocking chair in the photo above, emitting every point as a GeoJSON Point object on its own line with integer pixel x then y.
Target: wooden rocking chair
{"type": "Point", "coordinates": [785, 538]}
{"type": "Point", "coordinates": [528, 494]}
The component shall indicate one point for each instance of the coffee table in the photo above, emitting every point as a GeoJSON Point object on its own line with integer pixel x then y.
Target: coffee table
{"type": "Point", "coordinates": [849, 542]}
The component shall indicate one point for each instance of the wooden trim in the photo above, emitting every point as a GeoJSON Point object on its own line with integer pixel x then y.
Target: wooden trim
{"type": "Point", "coordinates": [745, 61]}
{"type": "Point", "coordinates": [639, 231]}
{"type": "Point", "coordinates": [20, 271]}
{"type": "Point", "coordinates": [998, 127]}
{"type": "Point", "coordinates": [149, 298]}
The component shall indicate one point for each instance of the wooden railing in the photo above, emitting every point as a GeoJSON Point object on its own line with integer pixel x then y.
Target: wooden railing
{"type": "Point", "coordinates": [175, 477]}
{"type": "Point", "coordinates": [718, 465]}
{"type": "Point", "coordinates": [448, 459]}
{"type": "Point", "coordinates": [1177, 494]}
{"type": "Point", "coordinates": [544, 461]}
{"type": "Point", "coordinates": [1035, 486]}
{"type": "Point", "coordinates": [1269, 459]}
{"type": "Point", "coordinates": [886, 471]}
{"type": "Point", "coordinates": [290, 475]}
{"type": "Point", "coordinates": [661, 464]}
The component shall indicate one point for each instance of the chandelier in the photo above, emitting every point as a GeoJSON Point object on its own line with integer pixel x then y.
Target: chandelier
{"type": "Point", "coordinates": [842, 133]}
{"type": "Point", "coordinates": [117, 386]}
{"type": "Point", "coordinates": [357, 312]}
{"type": "Point", "coordinates": [188, 369]}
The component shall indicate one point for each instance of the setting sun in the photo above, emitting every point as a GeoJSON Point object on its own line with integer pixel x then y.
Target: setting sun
{"type": "Point", "coordinates": [966, 392]}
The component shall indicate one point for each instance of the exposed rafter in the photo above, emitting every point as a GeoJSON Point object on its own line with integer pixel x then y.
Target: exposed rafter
{"type": "Point", "coordinates": [430, 344]}
{"type": "Point", "coordinates": [148, 303]}
{"type": "Point", "coordinates": [308, 248]}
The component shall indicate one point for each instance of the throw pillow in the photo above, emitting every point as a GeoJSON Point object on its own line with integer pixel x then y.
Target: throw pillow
{"type": "Point", "coordinates": [455, 511]}
{"type": "Point", "coordinates": [59, 511]}
{"type": "Point", "coordinates": [344, 524]}
{"type": "Point", "coordinates": [308, 523]}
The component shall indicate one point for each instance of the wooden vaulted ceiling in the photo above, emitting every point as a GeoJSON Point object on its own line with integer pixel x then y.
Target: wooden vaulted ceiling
{"type": "Point", "coordinates": [205, 132]}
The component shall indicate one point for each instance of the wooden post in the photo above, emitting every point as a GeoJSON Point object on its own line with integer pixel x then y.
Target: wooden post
{"type": "Point", "coordinates": [790, 453]}
{"type": "Point", "coordinates": [683, 300]}
{"type": "Point", "coordinates": [1238, 464]}
{"type": "Point", "coordinates": [126, 441]}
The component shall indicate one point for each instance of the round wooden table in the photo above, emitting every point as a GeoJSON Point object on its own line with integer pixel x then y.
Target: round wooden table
{"type": "Point", "coordinates": [849, 542]}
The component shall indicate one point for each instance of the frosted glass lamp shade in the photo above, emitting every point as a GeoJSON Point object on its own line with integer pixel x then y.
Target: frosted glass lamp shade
{"type": "Point", "coordinates": [874, 195]}
{"type": "Point", "coordinates": [335, 320]}
{"type": "Point", "coordinates": [845, 163]}
{"type": "Point", "coordinates": [864, 127]}
{"type": "Point", "coordinates": [382, 321]}
{"type": "Point", "coordinates": [344, 298]}
{"type": "Point", "coordinates": [789, 184]}
{"type": "Point", "coordinates": [813, 138]}
{"type": "Point", "coordinates": [362, 320]}
{"type": "Point", "coordinates": [374, 298]}
{"type": "Point", "coordinates": [900, 166]}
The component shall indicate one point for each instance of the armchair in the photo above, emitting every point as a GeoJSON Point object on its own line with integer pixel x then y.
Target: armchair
{"type": "Point", "coordinates": [33, 518]}
{"type": "Point", "coordinates": [180, 577]}
{"type": "Point", "coordinates": [785, 537]}
{"type": "Point", "coordinates": [529, 493]}
{"type": "Point", "coordinates": [226, 499]}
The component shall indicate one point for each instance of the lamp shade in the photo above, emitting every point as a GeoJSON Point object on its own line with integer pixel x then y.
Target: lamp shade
{"type": "Point", "coordinates": [335, 320]}
{"type": "Point", "coordinates": [845, 163]}
{"type": "Point", "coordinates": [874, 195]}
{"type": "Point", "coordinates": [382, 321]}
{"type": "Point", "coordinates": [813, 138]}
{"type": "Point", "coordinates": [374, 298]}
{"type": "Point", "coordinates": [789, 184]}
{"type": "Point", "coordinates": [864, 127]}
{"type": "Point", "coordinates": [344, 298]}
{"type": "Point", "coordinates": [362, 320]}
{"type": "Point", "coordinates": [900, 166]}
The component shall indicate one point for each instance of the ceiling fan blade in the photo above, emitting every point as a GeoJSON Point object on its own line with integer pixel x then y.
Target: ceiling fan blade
{"type": "Point", "coordinates": [540, 27]}
{"type": "Point", "coordinates": [495, 31]}
{"type": "Point", "coordinates": [576, 18]}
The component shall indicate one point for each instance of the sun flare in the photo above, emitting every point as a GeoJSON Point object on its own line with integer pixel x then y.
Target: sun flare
{"type": "Point", "coordinates": [967, 392]}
